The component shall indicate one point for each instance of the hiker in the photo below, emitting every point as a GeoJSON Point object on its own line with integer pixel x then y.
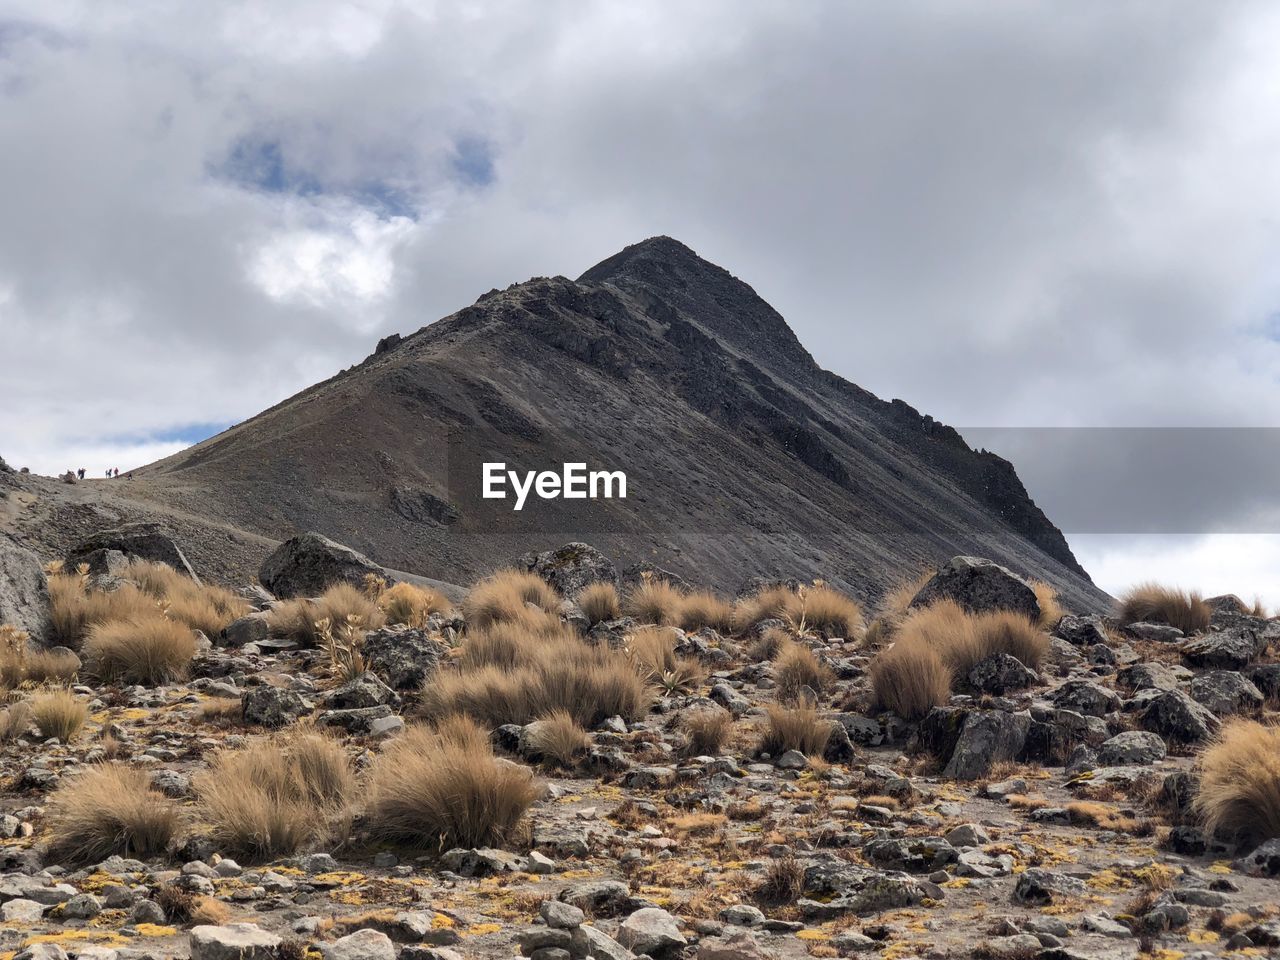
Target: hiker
{"type": "Point", "coordinates": [80, 473]}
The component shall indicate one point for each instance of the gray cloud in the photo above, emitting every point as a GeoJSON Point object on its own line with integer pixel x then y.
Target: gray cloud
{"type": "Point", "coordinates": [1040, 215]}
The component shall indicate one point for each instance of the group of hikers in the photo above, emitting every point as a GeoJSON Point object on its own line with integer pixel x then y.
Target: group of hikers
{"type": "Point", "coordinates": [112, 472]}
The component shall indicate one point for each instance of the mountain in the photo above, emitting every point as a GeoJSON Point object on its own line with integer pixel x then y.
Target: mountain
{"type": "Point", "coordinates": [743, 457]}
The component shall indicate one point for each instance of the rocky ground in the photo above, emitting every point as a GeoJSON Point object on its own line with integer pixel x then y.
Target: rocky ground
{"type": "Point", "coordinates": [1043, 816]}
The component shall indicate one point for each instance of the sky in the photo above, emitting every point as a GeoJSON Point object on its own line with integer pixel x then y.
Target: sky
{"type": "Point", "coordinates": [1034, 221]}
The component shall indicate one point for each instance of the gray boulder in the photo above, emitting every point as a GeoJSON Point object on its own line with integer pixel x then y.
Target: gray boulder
{"type": "Point", "coordinates": [1086, 697]}
{"type": "Point", "coordinates": [1158, 632]}
{"type": "Point", "coordinates": [571, 567]}
{"type": "Point", "coordinates": [1131, 748]}
{"type": "Point", "coordinates": [232, 941]}
{"type": "Point", "coordinates": [1264, 861]}
{"type": "Point", "coordinates": [1176, 716]}
{"type": "Point", "coordinates": [366, 944]}
{"type": "Point", "coordinates": [1226, 692]}
{"type": "Point", "coordinates": [304, 566]}
{"type": "Point", "coordinates": [402, 656]}
{"type": "Point", "coordinates": [1224, 650]}
{"type": "Point", "coordinates": [1153, 675]}
{"type": "Point", "coordinates": [145, 541]}
{"type": "Point", "coordinates": [24, 594]}
{"type": "Point", "coordinates": [1000, 673]}
{"type": "Point", "coordinates": [272, 707]}
{"type": "Point", "coordinates": [1039, 887]}
{"type": "Point", "coordinates": [912, 854]}
{"type": "Point", "coordinates": [979, 585]}
{"type": "Point", "coordinates": [987, 737]}
{"type": "Point", "coordinates": [1081, 631]}
{"type": "Point", "coordinates": [650, 931]}
{"type": "Point", "coordinates": [366, 690]}
{"type": "Point", "coordinates": [833, 887]}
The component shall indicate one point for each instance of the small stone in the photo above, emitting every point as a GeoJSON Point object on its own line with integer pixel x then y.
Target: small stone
{"type": "Point", "coordinates": [561, 916]}
{"type": "Point", "coordinates": [83, 906]}
{"type": "Point", "coordinates": [148, 911]}
{"type": "Point", "coordinates": [742, 915]}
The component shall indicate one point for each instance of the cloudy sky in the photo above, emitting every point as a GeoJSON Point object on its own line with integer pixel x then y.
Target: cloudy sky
{"type": "Point", "coordinates": [1032, 215]}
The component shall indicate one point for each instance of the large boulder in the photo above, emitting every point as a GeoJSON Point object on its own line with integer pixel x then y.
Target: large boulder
{"type": "Point", "coordinates": [1132, 748]}
{"type": "Point", "coordinates": [979, 585]}
{"type": "Point", "coordinates": [1000, 673]}
{"type": "Point", "coordinates": [987, 737]}
{"type": "Point", "coordinates": [651, 931]}
{"type": "Point", "coordinates": [833, 887]}
{"type": "Point", "coordinates": [306, 565]}
{"type": "Point", "coordinates": [402, 656]}
{"type": "Point", "coordinates": [145, 541]}
{"type": "Point", "coordinates": [1231, 649]}
{"type": "Point", "coordinates": [1086, 697]}
{"type": "Point", "coordinates": [571, 567]}
{"type": "Point", "coordinates": [1176, 716]}
{"type": "Point", "coordinates": [1082, 631]}
{"type": "Point", "coordinates": [24, 594]}
{"type": "Point", "coordinates": [233, 941]}
{"type": "Point", "coordinates": [1226, 692]}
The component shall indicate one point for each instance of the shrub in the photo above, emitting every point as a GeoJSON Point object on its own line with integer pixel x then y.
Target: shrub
{"type": "Point", "coordinates": [1152, 603]}
{"type": "Point", "coordinates": [1050, 609]}
{"type": "Point", "coordinates": [504, 595]}
{"type": "Point", "coordinates": [827, 611]}
{"type": "Point", "coordinates": [910, 679]}
{"type": "Point", "coordinates": [796, 667]}
{"type": "Point", "coordinates": [706, 731]}
{"type": "Point", "coordinates": [702, 608]}
{"type": "Point", "coordinates": [795, 728]}
{"type": "Point", "coordinates": [148, 650]}
{"type": "Point", "coordinates": [1239, 794]}
{"type": "Point", "coordinates": [412, 605]}
{"type": "Point", "coordinates": [655, 601]}
{"type": "Point", "coordinates": [771, 603]}
{"type": "Point", "coordinates": [557, 739]}
{"type": "Point", "coordinates": [430, 790]}
{"type": "Point", "coordinates": [59, 713]}
{"type": "Point", "coordinates": [341, 603]}
{"type": "Point", "coordinates": [273, 799]}
{"type": "Point", "coordinates": [111, 809]}
{"type": "Point", "coordinates": [599, 602]}
{"type": "Point", "coordinates": [590, 683]}
{"type": "Point", "coordinates": [15, 720]}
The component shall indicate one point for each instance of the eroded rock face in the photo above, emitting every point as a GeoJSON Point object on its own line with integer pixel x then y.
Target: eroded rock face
{"type": "Point", "coordinates": [306, 565]}
{"type": "Point", "coordinates": [146, 541]}
{"type": "Point", "coordinates": [571, 567]}
{"type": "Point", "coordinates": [979, 585]}
{"type": "Point", "coordinates": [24, 594]}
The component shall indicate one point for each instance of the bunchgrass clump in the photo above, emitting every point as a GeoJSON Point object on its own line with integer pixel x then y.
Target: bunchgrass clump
{"type": "Point", "coordinates": [770, 603]}
{"type": "Point", "coordinates": [1239, 796]}
{"type": "Point", "coordinates": [703, 608]}
{"type": "Point", "coordinates": [111, 809]}
{"type": "Point", "coordinates": [59, 713]}
{"type": "Point", "coordinates": [411, 605]}
{"type": "Point", "coordinates": [1050, 609]}
{"type": "Point", "coordinates": [652, 650]}
{"type": "Point", "coordinates": [794, 728]}
{"type": "Point", "coordinates": [599, 602]}
{"type": "Point", "coordinates": [505, 596]}
{"type": "Point", "coordinates": [796, 667]}
{"type": "Point", "coordinates": [828, 612]}
{"type": "Point", "coordinates": [148, 650]}
{"type": "Point", "coordinates": [706, 731]}
{"type": "Point", "coordinates": [1153, 603]}
{"type": "Point", "coordinates": [655, 601]}
{"type": "Point", "coordinates": [910, 679]}
{"type": "Point", "coordinates": [442, 788]}
{"type": "Point", "coordinates": [15, 720]}
{"type": "Point", "coordinates": [273, 799]}
{"type": "Point", "coordinates": [304, 620]}
{"type": "Point", "coordinates": [556, 739]}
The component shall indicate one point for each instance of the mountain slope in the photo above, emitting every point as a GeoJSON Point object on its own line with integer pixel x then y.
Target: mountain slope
{"type": "Point", "coordinates": [743, 456]}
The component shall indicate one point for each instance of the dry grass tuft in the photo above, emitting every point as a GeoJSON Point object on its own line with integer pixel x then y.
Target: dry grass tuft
{"type": "Point", "coordinates": [15, 720]}
{"type": "Point", "coordinates": [1003, 631]}
{"type": "Point", "coordinates": [303, 620]}
{"type": "Point", "coordinates": [111, 809]}
{"type": "Point", "coordinates": [20, 663]}
{"type": "Point", "coordinates": [783, 882]}
{"type": "Point", "coordinates": [412, 605]}
{"type": "Point", "coordinates": [1239, 793]}
{"type": "Point", "coordinates": [504, 596]}
{"type": "Point", "coordinates": [274, 799]}
{"type": "Point", "coordinates": [1050, 609]}
{"type": "Point", "coordinates": [796, 728]}
{"type": "Point", "coordinates": [73, 608]}
{"type": "Point", "coordinates": [183, 906]}
{"type": "Point", "coordinates": [558, 740]}
{"type": "Point", "coordinates": [655, 601]}
{"type": "Point", "coordinates": [59, 713]}
{"type": "Point", "coordinates": [796, 667]}
{"type": "Point", "coordinates": [910, 679]}
{"type": "Point", "coordinates": [702, 608]}
{"type": "Point", "coordinates": [202, 607]}
{"type": "Point", "coordinates": [769, 645]}
{"type": "Point", "coordinates": [1153, 603]}
{"type": "Point", "coordinates": [600, 602]}
{"type": "Point", "coordinates": [148, 650]}
{"type": "Point", "coordinates": [441, 790]}
{"type": "Point", "coordinates": [706, 731]}
{"type": "Point", "coordinates": [652, 650]}
{"type": "Point", "coordinates": [771, 603]}
{"type": "Point", "coordinates": [511, 644]}
{"type": "Point", "coordinates": [827, 611]}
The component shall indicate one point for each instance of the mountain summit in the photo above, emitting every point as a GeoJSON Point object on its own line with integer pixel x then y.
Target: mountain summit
{"type": "Point", "coordinates": [743, 457]}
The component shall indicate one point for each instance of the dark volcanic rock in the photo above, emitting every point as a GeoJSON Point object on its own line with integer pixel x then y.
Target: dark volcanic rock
{"type": "Point", "coordinates": [571, 567]}
{"type": "Point", "coordinates": [970, 741]}
{"type": "Point", "coordinates": [1086, 697]}
{"type": "Point", "coordinates": [272, 707]}
{"type": "Point", "coordinates": [402, 656]}
{"type": "Point", "coordinates": [1000, 673]}
{"type": "Point", "coordinates": [1226, 692]}
{"type": "Point", "coordinates": [1081, 631]}
{"type": "Point", "coordinates": [24, 594]}
{"type": "Point", "coordinates": [1227, 649]}
{"type": "Point", "coordinates": [146, 541]}
{"type": "Point", "coordinates": [306, 565]}
{"type": "Point", "coordinates": [1175, 715]}
{"type": "Point", "coordinates": [979, 585]}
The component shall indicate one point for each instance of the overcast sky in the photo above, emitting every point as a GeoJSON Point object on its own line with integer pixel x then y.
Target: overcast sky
{"type": "Point", "coordinates": [1008, 214]}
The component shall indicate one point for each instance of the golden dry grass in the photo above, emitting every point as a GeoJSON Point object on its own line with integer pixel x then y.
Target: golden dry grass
{"type": "Point", "coordinates": [303, 620]}
{"type": "Point", "coordinates": [513, 643]}
{"type": "Point", "coordinates": [1050, 609]}
{"type": "Point", "coordinates": [655, 601]}
{"type": "Point", "coordinates": [827, 611]}
{"type": "Point", "coordinates": [274, 799]}
{"type": "Point", "coordinates": [204, 607]}
{"type": "Point", "coordinates": [783, 882]}
{"type": "Point", "coordinates": [439, 789]}
{"type": "Point", "coordinates": [1239, 795]}
{"type": "Point", "coordinates": [600, 602]}
{"type": "Point", "coordinates": [15, 720]}
{"type": "Point", "coordinates": [796, 667]}
{"type": "Point", "coordinates": [590, 683]}
{"type": "Point", "coordinates": [652, 650]}
{"type": "Point", "coordinates": [771, 603]}
{"type": "Point", "coordinates": [1153, 603]}
{"type": "Point", "coordinates": [794, 728]}
{"type": "Point", "coordinates": [111, 809]}
{"type": "Point", "coordinates": [910, 679]}
{"type": "Point", "coordinates": [703, 608]}
{"type": "Point", "coordinates": [1003, 631]}
{"type": "Point", "coordinates": [768, 645]}
{"type": "Point", "coordinates": [411, 605]}
{"type": "Point", "coordinates": [148, 650]}
{"type": "Point", "coordinates": [558, 740]}
{"type": "Point", "coordinates": [706, 731]}
{"type": "Point", "coordinates": [59, 713]}
{"type": "Point", "coordinates": [73, 608]}
{"type": "Point", "coordinates": [504, 596]}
